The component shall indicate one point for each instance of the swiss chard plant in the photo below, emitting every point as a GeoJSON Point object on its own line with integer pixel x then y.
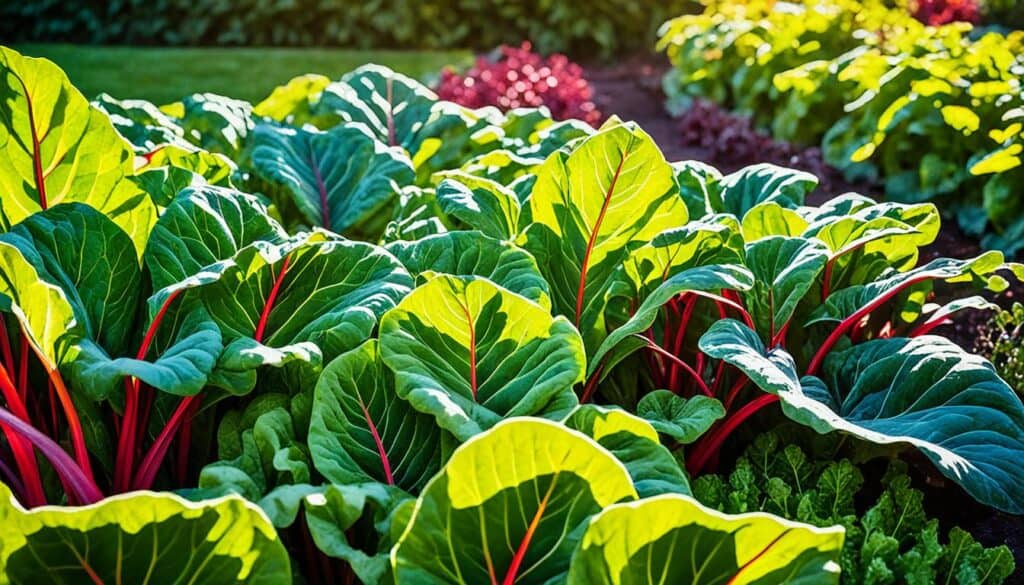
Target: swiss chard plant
{"type": "Point", "coordinates": [357, 333]}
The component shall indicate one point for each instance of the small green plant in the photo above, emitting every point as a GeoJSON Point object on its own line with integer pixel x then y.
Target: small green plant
{"type": "Point", "coordinates": [890, 541]}
{"type": "Point", "coordinates": [1002, 341]}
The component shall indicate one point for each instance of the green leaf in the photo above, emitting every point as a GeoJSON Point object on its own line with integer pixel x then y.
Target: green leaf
{"type": "Point", "coordinates": [674, 539]}
{"type": "Point", "coordinates": [292, 102]}
{"type": "Point", "coordinates": [479, 203]}
{"type": "Point", "coordinates": [702, 279]}
{"type": "Point", "coordinates": [683, 419]}
{"type": "Point", "coordinates": [217, 123]}
{"type": "Point", "coordinates": [590, 209]}
{"type": "Point", "coordinates": [784, 270]}
{"type": "Point", "coordinates": [399, 111]}
{"type": "Point", "coordinates": [132, 538]}
{"type": "Point", "coordinates": [302, 302]}
{"type": "Point", "coordinates": [526, 486]}
{"type": "Point", "coordinates": [881, 390]}
{"type": "Point", "coordinates": [362, 431]}
{"type": "Point", "coordinates": [335, 511]}
{"type": "Point", "coordinates": [204, 226]}
{"type": "Point", "coordinates": [141, 123]}
{"type": "Point", "coordinates": [473, 254]}
{"type": "Point", "coordinates": [471, 353]}
{"type": "Point", "coordinates": [635, 443]}
{"type": "Point", "coordinates": [214, 168]}
{"type": "Point", "coordinates": [260, 447]}
{"type": "Point", "coordinates": [55, 147]}
{"type": "Point", "coordinates": [741, 191]}
{"type": "Point", "coordinates": [339, 179]}
{"type": "Point", "coordinates": [771, 219]}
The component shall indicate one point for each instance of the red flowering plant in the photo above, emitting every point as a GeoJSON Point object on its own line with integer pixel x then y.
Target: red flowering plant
{"type": "Point", "coordinates": [939, 12]}
{"type": "Point", "coordinates": [514, 77]}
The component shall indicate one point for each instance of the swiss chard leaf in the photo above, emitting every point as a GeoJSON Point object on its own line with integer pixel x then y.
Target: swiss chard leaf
{"type": "Point", "coordinates": [135, 537]}
{"type": "Point", "coordinates": [674, 539]}
{"type": "Point", "coordinates": [470, 353]}
{"type": "Point", "coordinates": [339, 179]}
{"type": "Point", "coordinates": [508, 507]}
{"type": "Point", "coordinates": [361, 430]}
{"type": "Point", "coordinates": [590, 209]}
{"type": "Point", "coordinates": [473, 254]}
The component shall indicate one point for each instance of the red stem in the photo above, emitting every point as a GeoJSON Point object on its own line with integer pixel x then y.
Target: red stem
{"type": "Point", "coordinates": [130, 424]}
{"type": "Point", "coordinates": [517, 559]}
{"type": "Point", "coordinates": [472, 350]}
{"type": "Point", "coordinates": [826, 283]}
{"type": "Point", "coordinates": [23, 367]}
{"type": "Point", "coordinates": [21, 449]}
{"type": "Point", "coordinates": [158, 450]}
{"type": "Point", "coordinates": [592, 240]}
{"type": "Point", "coordinates": [927, 327]}
{"type": "Point", "coordinates": [381, 452]}
{"type": "Point", "coordinates": [755, 558]}
{"type": "Point", "coordinates": [660, 351]}
{"type": "Point", "coordinates": [737, 387]}
{"type": "Point", "coordinates": [5, 344]}
{"type": "Point", "coordinates": [185, 442]}
{"type": "Point", "coordinates": [81, 486]}
{"type": "Point", "coordinates": [37, 161]}
{"type": "Point", "coordinates": [677, 344]}
{"type": "Point", "coordinates": [713, 443]}
{"type": "Point", "coordinates": [271, 299]}
{"type": "Point", "coordinates": [852, 320]}
{"type": "Point", "coordinates": [588, 390]}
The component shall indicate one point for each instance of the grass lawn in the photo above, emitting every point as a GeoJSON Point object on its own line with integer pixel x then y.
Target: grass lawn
{"type": "Point", "coordinates": [163, 75]}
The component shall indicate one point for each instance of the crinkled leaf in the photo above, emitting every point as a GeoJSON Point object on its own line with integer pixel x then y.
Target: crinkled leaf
{"type": "Point", "coordinates": [471, 353]}
{"type": "Point", "coordinates": [526, 486]}
{"type": "Point", "coordinates": [135, 537]}
{"type": "Point", "coordinates": [674, 539]}
{"type": "Point", "coordinates": [635, 443]}
{"type": "Point", "coordinates": [784, 270]}
{"type": "Point", "coordinates": [683, 419]}
{"type": "Point", "coordinates": [361, 430]}
{"type": "Point", "coordinates": [479, 203]}
{"type": "Point", "coordinates": [739, 192]}
{"type": "Point", "coordinates": [339, 179]}
{"type": "Point", "coordinates": [473, 254]}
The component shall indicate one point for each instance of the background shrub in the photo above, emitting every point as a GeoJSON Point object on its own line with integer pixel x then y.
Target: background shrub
{"type": "Point", "coordinates": [582, 29]}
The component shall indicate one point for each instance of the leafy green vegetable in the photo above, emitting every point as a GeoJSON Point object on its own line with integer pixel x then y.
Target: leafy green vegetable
{"type": "Point", "coordinates": [140, 536]}
{"type": "Point", "coordinates": [673, 539]}
{"type": "Point", "coordinates": [891, 541]}
{"type": "Point", "coordinates": [470, 353]}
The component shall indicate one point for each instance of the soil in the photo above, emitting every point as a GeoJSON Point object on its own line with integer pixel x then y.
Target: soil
{"type": "Point", "coordinates": [631, 89]}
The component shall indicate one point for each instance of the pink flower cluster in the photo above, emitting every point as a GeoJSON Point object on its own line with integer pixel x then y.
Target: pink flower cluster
{"type": "Point", "coordinates": [518, 77]}
{"type": "Point", "coordinates": [939, 12]}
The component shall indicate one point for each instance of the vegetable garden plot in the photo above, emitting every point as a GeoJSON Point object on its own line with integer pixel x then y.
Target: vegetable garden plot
{"type": "Point", "coordinates": [356, 332]}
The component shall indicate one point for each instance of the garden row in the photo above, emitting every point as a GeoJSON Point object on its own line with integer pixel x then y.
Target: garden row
{"type": "Point", "coordinates": [934, 113]}
{"type": "Point", "coordinates": [363, 333]}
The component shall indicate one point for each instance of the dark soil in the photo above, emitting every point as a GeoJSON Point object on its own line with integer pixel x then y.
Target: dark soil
{"type": "Point", "coordinates": [631, 89]}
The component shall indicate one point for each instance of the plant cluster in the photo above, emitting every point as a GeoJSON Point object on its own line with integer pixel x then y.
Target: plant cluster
{"type": "Point", "coordinates": [355, 332]}
{"type": "Point", "coordinates": [733, 139]}
{"type": "Point", "coordinates": [601, 27]}
{"type": "Point", "coordinates": [892, 541]}
{"type": "Point", "coordinates": [933, 112]}
{"type": "Point", "coordinates": [940, 12]}
{"type": "Point", "coordinates": [1002, 342]}
{"type": "Point", "coordinates": [516, 77]}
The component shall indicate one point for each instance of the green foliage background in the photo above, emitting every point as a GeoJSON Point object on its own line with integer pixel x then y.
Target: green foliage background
{"type": "Point", "coordinates": [600, 27]}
